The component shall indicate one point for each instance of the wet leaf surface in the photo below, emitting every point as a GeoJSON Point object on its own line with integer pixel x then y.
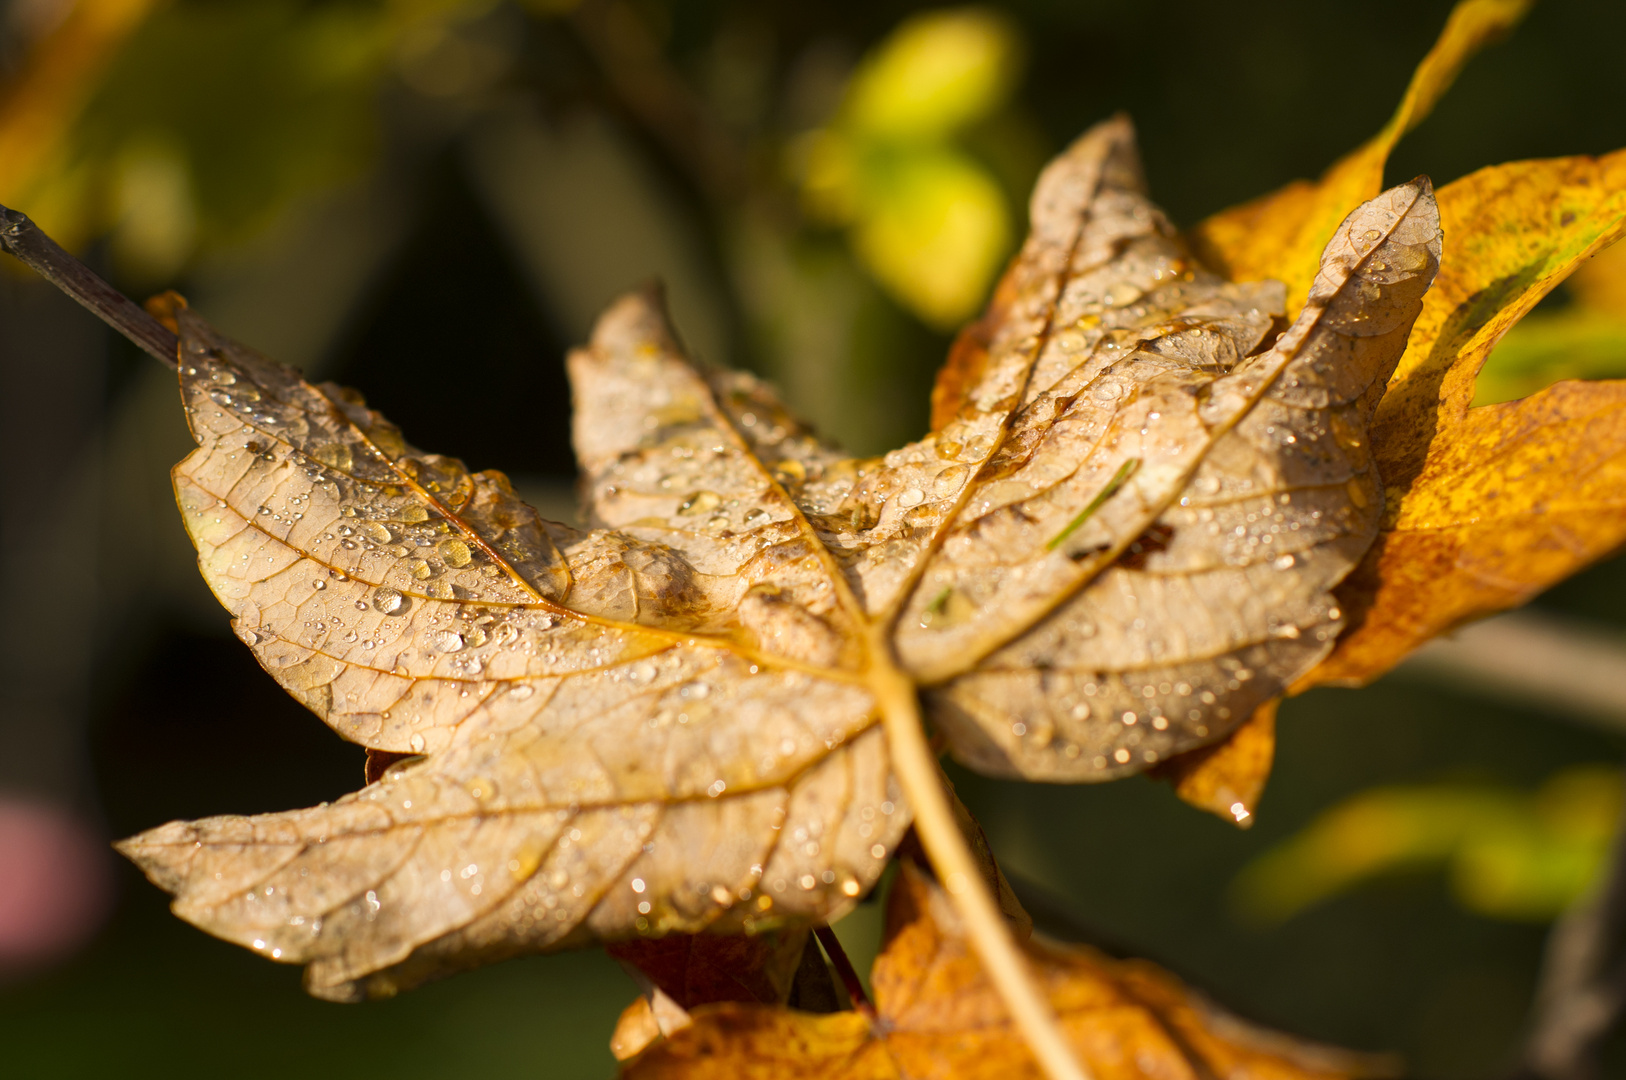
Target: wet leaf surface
{"type": "Point", "coordinates": [1119, 542]}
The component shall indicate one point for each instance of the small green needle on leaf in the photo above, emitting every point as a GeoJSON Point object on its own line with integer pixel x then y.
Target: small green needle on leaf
{"type": "Point", "coordinates": [1125, 471]}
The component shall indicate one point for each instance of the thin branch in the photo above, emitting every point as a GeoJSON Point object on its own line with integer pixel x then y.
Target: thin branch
{"type": "Point", "coordinates": [1538, 659]}
{"type": "Point", "coordinates": [21, 238]}
{"type": "Point", "coordinates": [845, 971]}
{"type": "Point", "coordinates": [661, 99]}
{"type": "Point", "coordinates": [1582, 992]}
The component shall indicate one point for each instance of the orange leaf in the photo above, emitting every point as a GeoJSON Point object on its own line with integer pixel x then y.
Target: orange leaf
{"type": "Point", "coordinates": [1488, 506]}
{"type": "Point", "coordinates": [1226, 779]}
{"type": "Point", "coordinates": [940, 1017]}
{"type": "Point", "coordinates": [1524, 494]}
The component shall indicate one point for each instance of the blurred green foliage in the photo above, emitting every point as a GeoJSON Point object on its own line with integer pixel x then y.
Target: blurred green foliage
{"type": "Point", "coordinates": [211, 120]}
{"type": "Point", "coordinates": [926, 218]}
{"type": "Point", "coordinates": [1509, 854]}
{"type": "Point", "coordinates": [1579, 334]}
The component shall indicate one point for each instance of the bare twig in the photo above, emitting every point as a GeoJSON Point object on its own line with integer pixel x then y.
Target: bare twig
{"type": "Point", "coordinates": [25, 241]}
{"type": "Point", "coordinates": [1538, 659]}
{"type": "Point", "coordinates": [1582, 993]}
{"type": "Point", "coordinates": [661, 99]}
{"type": "Point", "coordinates": [845, 971]}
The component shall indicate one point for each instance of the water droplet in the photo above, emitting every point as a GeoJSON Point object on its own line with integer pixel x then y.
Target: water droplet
{"type": "Point", "coordinates": [388, 601]}
{"type": "Point", "coordinates": [419, 569]}
{"type": "Point", "coordinates": [417, 743]}
{"type": "Point", "coordinates": [912, 497]}
{"type": "Point", "coordinates": [334, 456]}
{"type": "Point", "coordinates": [447, 641]}
{"type": "Point", "coordinates": [701, 502]}
{"type": "Point", "coordinates": [455, 552]}
{"type": "Point", "coordinates": [950, 480]}
{"type": "Point", "coordinates": [1284, 562]}
{"type": "Point", "coordinates": [375, 532]}
{"type": "Point", "coordinates": [977, 447]}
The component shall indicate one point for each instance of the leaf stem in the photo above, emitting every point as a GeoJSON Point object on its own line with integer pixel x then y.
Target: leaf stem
{"type": "Point", "coordinates": [917, 771]}
{"type": "Point", "coordinates": [26, 242]}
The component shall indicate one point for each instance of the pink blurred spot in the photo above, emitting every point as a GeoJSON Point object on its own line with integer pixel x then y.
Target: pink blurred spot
{"type": "Point", "coordinates": [55, 884]}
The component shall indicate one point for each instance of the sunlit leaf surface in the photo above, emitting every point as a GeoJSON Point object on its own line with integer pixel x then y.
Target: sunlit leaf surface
{"type": "Point", "coordinates": [669, 723]}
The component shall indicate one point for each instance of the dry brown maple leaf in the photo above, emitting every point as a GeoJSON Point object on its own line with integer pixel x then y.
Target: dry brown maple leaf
{"type": "Point", "coordinates": [703, 714]}
{"type": "Point", "coordinates": [669, 723]}
{"type": "Point", "coordinates": [937, 1016]}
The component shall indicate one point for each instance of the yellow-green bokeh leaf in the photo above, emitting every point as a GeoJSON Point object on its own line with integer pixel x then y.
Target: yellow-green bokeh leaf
{"type": "Point", "coordinates": [933, 229]}
{"type": "Point", "coordinates": [1586, 340]}
{"type": "Point", "coordinates": [933, 75]}
{"type": "Point", "coordinates": [1508, 853]}
{"type": "Point", "coordinates": [1543, 349]}
{"type": "Point", "coordinates": [209, 120]}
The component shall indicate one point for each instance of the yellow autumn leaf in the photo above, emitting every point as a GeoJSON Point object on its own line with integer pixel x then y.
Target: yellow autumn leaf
{"type": "Point", "coordinates": [1584, 340]}
{"type": "Point", "coordinates": [1279, 235]}
{"type": "Point", "coordinates": [1485, 507]}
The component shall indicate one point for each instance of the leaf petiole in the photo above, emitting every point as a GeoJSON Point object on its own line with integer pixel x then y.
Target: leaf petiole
{"type": "Point", "coordinates": [1119, 478]}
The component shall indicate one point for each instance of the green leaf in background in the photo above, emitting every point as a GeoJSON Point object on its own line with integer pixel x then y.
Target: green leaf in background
{"type": "Point", "coordinates": [928, 220]}
{"type": "Point", "coordinates": [1509, 854]}
{"type": "Point", "coordinates": [1584, 340]}
{"type": "Point", "coordinates": [934, 75]}
{"type": "Point", "coordinates": [211, 119]}
{"type": "Point", "coordinates": [936, 231]}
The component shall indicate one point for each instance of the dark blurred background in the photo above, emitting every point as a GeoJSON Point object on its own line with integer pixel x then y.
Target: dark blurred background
{"type": "Point", "coordinates": [430, 200]}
